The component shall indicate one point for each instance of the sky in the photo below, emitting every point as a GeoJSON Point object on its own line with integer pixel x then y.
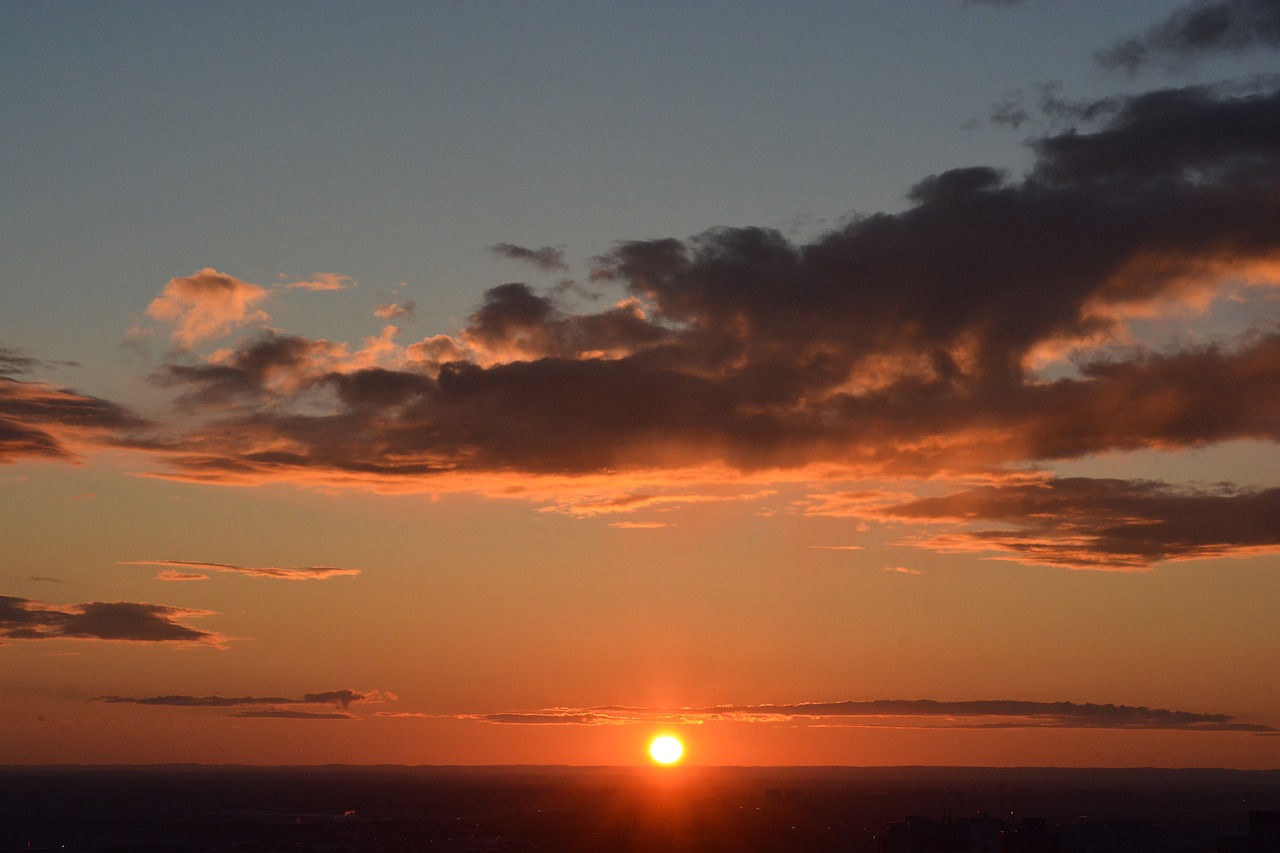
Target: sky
{"type": "Point", "coordinates": [509, 383]}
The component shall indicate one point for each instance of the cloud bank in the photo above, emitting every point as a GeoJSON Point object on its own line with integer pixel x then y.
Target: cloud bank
{"type": "Point", "coordinates": [993, 324]}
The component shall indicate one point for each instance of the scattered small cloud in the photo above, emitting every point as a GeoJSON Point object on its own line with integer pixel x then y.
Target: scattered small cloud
{"type": "Point", "coordinates": [902, 570]}
{"type": "Point", "coordinates": [323, 281]}
{"type": "Point", "coordinates": [296, 573]}
{"type": "Point", "coordinates": [640, 525]}
{"type": "Point", "coordinates": [396, 310]}
{"type": "Point", "coordinates": [546, 258]}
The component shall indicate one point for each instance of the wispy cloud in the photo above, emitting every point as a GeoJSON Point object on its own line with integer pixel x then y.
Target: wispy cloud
{"type": "Point", "coordinates": [589, 507]}
{"type": "Point", "coordinates": [322, 281]}
{"type": "Point", "coordinates": [338, 698]}
{"type": "Point", "coordinates": [909, 713]}
{"type": "Point", "coordinates": [43, 421]}
{"type": "Point", "coordinates": [125, 621]}
{"type": "Point", "coordinates": [278, 714]}
{"type": "Point", "coordinates": [294, 573]}
{"type": "Point", "coordinates": [1198, 28]}
{"type": "Point", "coordinates": [546, 258]}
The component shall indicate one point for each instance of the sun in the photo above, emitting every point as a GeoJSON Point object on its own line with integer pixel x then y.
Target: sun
{"type": "Point", "coordinates": [666, 750]}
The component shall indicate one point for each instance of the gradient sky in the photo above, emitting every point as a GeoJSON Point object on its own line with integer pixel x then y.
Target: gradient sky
{"type": "Point", "coordinates": [498, 383]}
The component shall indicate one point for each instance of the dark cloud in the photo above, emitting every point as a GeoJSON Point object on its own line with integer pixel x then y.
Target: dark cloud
{"type": "Point", "coordinates": [547, 258]}
{"type": "Point", "coordinates": [1102, 524]}
{"type": "Point", "coordinates": [338, 698]}
{"type": "Point", "coordinates": [27, 619]}
{"type": "Point", "coordinates": [15, 361]}
{"type": "Point", "coordinates": [899, 344]}
{"type": "Point", "coordinates": [294, 573]}
{"type": "Point", "coordinates": [904, 344]}
{"type": "Point", "coordinates": [39, 420]}
{"type": "Point", "coordinates": [295, 715]}
{"type": "Point", "coordinates": [1204, 26]}
{"type": "Point", "coordinates": [1002, 713]}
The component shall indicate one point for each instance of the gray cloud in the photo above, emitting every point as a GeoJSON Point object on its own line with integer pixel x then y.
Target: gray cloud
{"type": "Point", "coordinates": [28, 619]}
{"type": "Point", "coordinates": [295, 715]}
{"type": "Point", "coordinates": [546, 258]}
{"type": "Point", "coordinates": [1204, 26]}
{"type": "Point", "coordinates": [339, 698]}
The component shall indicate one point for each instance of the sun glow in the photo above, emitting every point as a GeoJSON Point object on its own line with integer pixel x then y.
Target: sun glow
{"type": "Point", "coordinates": [666, 750]}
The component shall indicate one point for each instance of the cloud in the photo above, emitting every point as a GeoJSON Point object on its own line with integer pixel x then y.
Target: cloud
{"type": "Point", "coordinates": [174, 575]}
{"type": "Point", "coordinates": [639, 525]}
{"type": "Point", "coordinates": [395, 311]}
{"type": "Point", "coordinates": [28, 619]}
{"type": "Point", "coordinates": [547, 258]}
{"type": "Point", "coordinates": [296, 573]}
{"type": "Point", "coordinates": [910, 713]}
{"type": "Point", "coordinates": [323, 281]}
{"type": "Point", "coordinates": [1121, 525]}
{"type": "Point", "coordinates": [338, 698]}
{"type": "Point", "coordinates": [909, 344]}
{"type": "Point", "coordinates": [205, 305]}
{"type": "Point", "coordinates": [15, 361]}
{"type": "Point", "coordinates": [39, 420]}
{"type": "Point", "coordinates": [589, 507]}
{"type": "Point", "coordinates": [274, 714]}
{"type": "Point", "coordinates": [902, 570]}
{"type": "Point", "coordinates": [1201, 27]}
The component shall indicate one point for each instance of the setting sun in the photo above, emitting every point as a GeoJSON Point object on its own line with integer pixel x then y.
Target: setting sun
{"type": "Point", "coordinates": [666, 750]}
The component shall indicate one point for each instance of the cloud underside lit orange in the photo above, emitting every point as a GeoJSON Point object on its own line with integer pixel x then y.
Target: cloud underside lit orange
{"type": "Point", "coordinates": [987, 327]}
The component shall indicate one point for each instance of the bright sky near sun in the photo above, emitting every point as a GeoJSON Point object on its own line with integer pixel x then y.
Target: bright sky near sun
{"type": "Point", "coordinates": [474, 383]}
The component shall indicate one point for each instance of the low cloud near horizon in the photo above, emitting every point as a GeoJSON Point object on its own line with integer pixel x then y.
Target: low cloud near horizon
{"type": "Point", "coordinates": [896, 713]}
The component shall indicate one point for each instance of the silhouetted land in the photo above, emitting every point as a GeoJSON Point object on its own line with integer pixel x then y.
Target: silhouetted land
{"type": "Point", "coordinates": [191, 808]}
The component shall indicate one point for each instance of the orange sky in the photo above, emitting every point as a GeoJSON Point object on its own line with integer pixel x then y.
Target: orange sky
{"type": "Point", "coordinates": [985, 475]}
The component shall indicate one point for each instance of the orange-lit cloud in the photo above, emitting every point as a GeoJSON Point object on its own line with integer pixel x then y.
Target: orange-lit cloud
{"type": "Point", "coordinates": [39, 420]}
{"type": "Point", "coordinates": [395, 310]}
{"type": "Point", "coordinates": [910, 713]}
{"type": "Point", "coordinates": [126, 621]}
{"type": "Point", "coordinates": [985, 329]}
{"type": "Point", "coordinates": [1081, 523]}
{"type": "Point", "coordinates": [206, 304]}
{"type": "Point", "coordinates": [296, 573]}
{"type": "Point", "coordinates": [323, 281]}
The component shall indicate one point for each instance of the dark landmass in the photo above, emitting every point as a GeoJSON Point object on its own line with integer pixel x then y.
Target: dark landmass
{"type": "Point", "coordinates": [572, 809]}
